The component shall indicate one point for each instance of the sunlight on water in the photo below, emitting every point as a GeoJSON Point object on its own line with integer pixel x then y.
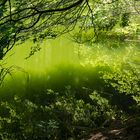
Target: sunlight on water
{"type": "Point", "coordinates": [63, 51]}
{"type": "Point", "coordinates": [53, 52]}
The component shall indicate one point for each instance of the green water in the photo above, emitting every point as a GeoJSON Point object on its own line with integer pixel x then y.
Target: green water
{"type": "Point", "coordinates": [61, 63]}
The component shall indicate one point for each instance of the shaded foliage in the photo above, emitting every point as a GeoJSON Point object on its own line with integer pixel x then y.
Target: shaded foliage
{"type": "Point", "coordinates": [70, 112]}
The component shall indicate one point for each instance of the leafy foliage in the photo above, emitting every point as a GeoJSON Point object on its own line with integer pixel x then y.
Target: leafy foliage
{"type": "Point", "coordinates": [57, 116]}
{"type": "Point", "coordinates": [70, 102]}
{"type": "Point", "coordinates": [43, 19]}
{"type": "Point", "coordinates": [71, 113]}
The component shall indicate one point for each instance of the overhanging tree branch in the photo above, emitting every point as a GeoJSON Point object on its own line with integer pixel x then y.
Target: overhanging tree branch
{"type": "Point", "coordinates": [21, 19]}
{"type": "Point", "coordinates": [40, 19]}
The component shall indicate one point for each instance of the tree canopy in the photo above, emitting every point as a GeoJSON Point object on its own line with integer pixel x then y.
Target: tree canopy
{"type": "Point", "coordinates": [40, 19]}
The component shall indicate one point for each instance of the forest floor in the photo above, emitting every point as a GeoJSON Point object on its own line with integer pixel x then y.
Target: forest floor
{"type": "Point", "coordinates": [128, 130]}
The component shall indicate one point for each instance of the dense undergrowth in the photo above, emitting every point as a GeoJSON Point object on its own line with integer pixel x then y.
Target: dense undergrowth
{"type": "Point", "coordinates": [71, 100]}
{"type": "Point", "coordinates": [70, 108]}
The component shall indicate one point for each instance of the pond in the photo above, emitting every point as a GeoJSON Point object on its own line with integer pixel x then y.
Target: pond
{"type": "Point", "coordinates": [61, 63]}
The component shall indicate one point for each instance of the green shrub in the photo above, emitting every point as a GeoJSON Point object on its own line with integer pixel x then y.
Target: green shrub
{"type": "Point", "coordinates": [62, 117]}
{"type": "Point", "coordinates": [124, 83]}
